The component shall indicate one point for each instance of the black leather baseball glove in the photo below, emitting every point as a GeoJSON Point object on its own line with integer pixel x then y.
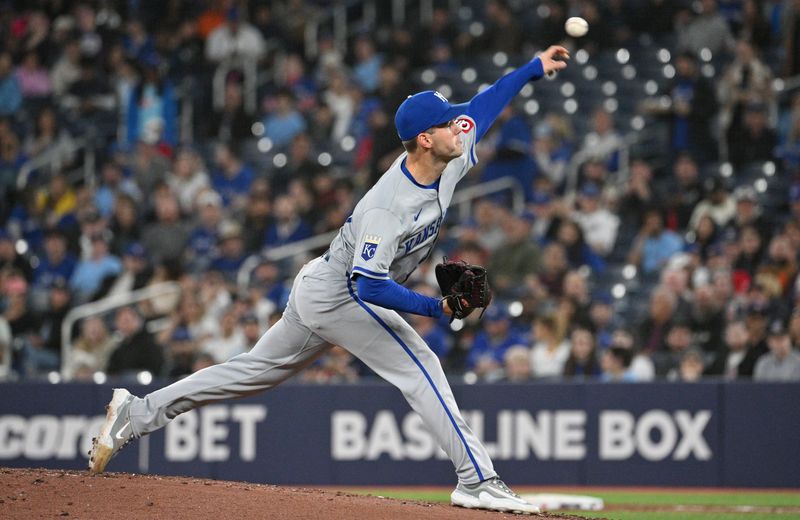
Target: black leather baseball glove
{"type": "Point", "coordinates": [463, 286]}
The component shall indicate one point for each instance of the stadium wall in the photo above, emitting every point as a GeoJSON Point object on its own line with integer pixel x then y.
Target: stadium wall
{"type": "Point", "coordinates": [705, 434]}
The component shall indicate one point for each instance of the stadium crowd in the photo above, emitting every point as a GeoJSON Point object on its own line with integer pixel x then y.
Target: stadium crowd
{"type": "Point", "coordinates": [146, 142]}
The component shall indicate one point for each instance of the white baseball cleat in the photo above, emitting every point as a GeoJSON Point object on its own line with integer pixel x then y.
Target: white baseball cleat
{"type": "Point", "coordinates": [116, 432]}
{"type": "Point", "coordinates": [492, 494]}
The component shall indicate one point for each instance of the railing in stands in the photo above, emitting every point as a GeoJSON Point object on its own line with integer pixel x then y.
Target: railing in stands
{"type": "Point", "coordinates": [461, 198]}
{"type": "Point", "coordinates": [52, 161]}
{"type": "Point", "coordinates": [103, 306]}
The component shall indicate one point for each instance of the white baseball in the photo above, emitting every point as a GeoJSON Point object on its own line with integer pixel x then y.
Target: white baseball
{"type": "Point", "coordinates": [576, 26]}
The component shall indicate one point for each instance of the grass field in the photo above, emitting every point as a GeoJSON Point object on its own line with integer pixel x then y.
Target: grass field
{"type": "Point", "coordinates": [655, 504]}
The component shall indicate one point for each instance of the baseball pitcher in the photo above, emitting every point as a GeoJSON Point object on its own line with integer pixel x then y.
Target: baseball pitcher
{"type": "Point", "coordinates": [351, 296]}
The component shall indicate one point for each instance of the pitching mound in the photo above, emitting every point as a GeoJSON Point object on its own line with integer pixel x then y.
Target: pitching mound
{"type": "Point", "coordinates": [41, 493]}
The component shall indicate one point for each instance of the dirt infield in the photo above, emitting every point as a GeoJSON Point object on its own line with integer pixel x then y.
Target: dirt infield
{"type": "Point", "coordinates": [41, 493]}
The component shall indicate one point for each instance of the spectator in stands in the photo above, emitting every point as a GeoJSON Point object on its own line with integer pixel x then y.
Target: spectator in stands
{"type": "Point", "coordinates": [287, 227]}
{"type": "Point", "coordinates": [554, 268]}
{"type": "Point", "coordinates": [749, 212]}
{"type": "Point", "coordinates": [704, 237]}
{"type": "Point", "coordinates": [66, 70]}
{"type": "Point", "coordinates": [731, 352]}
{"type": "Point", "coordinates": [181, 350]}
{"type": "Point", "coordinates": [166, 238]}
{"type": "Point", "coordinates": [10, 259]}
{"type": "Point", "coordinates": [232, 178]}
{"type": "Point", "coordinates": [782, 363]}
{"type": "Point", "coordinates": [202, 243]}
{"type": "Point", "coordinates": [90, 350]}
{"type": "Point", "coordinates": [756, 320]}
{"type": "Point", "coordinates": [230, 253]}
{"type": "Point", "coordinates": [582, 362]}
{"type": "Point", "coordinates": [51, 140]}
{"type": "Point", "coordinates": [751, 253]}
{"type": "Point", "coordinates": [490, 344]}
{"type": "Point", "coordinates": [193, 315]}
{"type": "Point", "coordinates": [678, 341]}
{"type": "Point", "coordinates": [517, 364]}
{"type": "Point", "coordinates": [90, 99]}
{"type": "Point", "coordinates": [690, 368]}
{"type": "Point", "coordinates": [10, 90]}
{"type": "Point", "coordinates": [234, 39]}
{"type": "Point", "coordinates": [550, 350]}
{"type": "Point", "coordinates": [57, 200]}
{"type": "Point", "coordinates": [33, 79]}
{"type": "Point", "coordinates": [284, 121]}
{"type": "Point", "coordinates": [187, 178]}
{"type": "Point", "coordinates": [135, 274]}
{"type": "Point", "coordinates": [707, 320]}
{"type": "Point", "coordinates": [367, 67]}
{"type": "Point", "coordinates": [488, 216]}
{"type": "Point", "coordinates": [653, 330]}
{"type": "Point", "coordinates": [599, 225]}
{"type": "Point", "coordinates": [503, 32]}
{"type": "Point", "coordinates": [552, 147]}
{"type": "Point", "coordinates": [570, 235]}
{"type": "Point", "coordinates": [56, 262]}
{"type": "Point", "coordinates": [637, 196]}
{"type": "Point", "coordinates": [790, 16]}
{"type": "Point", "coordinates": [252, 328]}
{"type": "Point", "coordinates": [59, 303]}
{"type": "Point", "coordinates": [512, 153]}
{"type": "Point", "coordinates": [268, 277]}
{"type": "Point", "coordinates": [753, 27]}
{"type": "Point", "coordinates": [257, 214]}
{"type": "Point", "coordinates": [300, 167]}
{"type": "Point", "coordinates": [754, 140]}
{"type": "Point", "coordinates": [616, 362]}
{"type": "Point", "coordinates": [517, 257]}
{"type": "Point", "coordinates": [136, 349]}
{"type": "Point", "coordinates": [90, 273]}
{"type": "Point", "coordinates": [232, 124]}
{"type": "Point", "coordinates": [152, 106]}
{"type": "Point", "coordinates": [602, 320]}
{"type": "Point", "coordinates": [746, 79]}
{"type": "Point", "coordinates": [654, 245]}
{"type": "Point", "coordinates": [718, 204]}
{"type": "Point", "coordinates": [794, 327]}
{"type": "Point", "coordinates": [708, 29]}
{"type": "Point", "coordinates": [603, 141]}
{"type": "Point", "coordinates": [693, 107]}
{"type": "Point", "coordinates": [124, 224]}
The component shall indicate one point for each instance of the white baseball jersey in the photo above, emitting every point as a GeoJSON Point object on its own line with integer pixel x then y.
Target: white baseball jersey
{"type": "Point", "coordinates": [395, 225]}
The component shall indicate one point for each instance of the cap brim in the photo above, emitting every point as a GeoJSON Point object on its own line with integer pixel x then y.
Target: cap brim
{"type": "Point", "coordinates": [452, 113]}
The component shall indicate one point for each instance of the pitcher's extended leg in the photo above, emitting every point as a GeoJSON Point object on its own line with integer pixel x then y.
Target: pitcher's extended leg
{"type": "Point", "coordinates": [286, 348]}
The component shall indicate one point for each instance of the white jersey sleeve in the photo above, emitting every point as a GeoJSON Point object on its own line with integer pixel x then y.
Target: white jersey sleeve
{"type": "Point", "coordinates": [377, 238]}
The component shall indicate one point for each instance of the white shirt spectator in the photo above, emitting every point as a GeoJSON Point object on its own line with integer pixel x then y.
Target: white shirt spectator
{"type": "Point", "coordinates": [224, 42]}
{"type": "Point", "coordinates": [549, 363]}
{"type": "Point", "coordinates": [223, 348]}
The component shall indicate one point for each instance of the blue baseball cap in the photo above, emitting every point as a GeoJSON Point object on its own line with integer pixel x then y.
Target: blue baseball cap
{"type": "Point", "coordinates": [422, 111]}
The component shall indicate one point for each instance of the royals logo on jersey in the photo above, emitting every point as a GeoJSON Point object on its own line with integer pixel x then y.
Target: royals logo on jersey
{"type": "Point", "coordinates": [370, 246]}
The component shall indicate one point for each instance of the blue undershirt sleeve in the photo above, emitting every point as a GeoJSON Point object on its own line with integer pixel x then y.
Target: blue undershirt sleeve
{"type": "Point", "coordinates": [487, 105]}
{"type": "Point", "coordinates": [391, 295]}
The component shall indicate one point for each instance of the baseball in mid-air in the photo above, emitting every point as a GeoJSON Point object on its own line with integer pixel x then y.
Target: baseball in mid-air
{"type": "Point", "coordinates": [576, 26]}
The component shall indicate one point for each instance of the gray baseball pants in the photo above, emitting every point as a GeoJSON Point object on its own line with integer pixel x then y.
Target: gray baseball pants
{"type": "Point", "coordinates": [324, 311]}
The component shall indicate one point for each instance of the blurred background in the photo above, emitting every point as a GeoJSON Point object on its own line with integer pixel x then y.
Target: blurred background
{"type": "Point", "coordinates": [167, 166]}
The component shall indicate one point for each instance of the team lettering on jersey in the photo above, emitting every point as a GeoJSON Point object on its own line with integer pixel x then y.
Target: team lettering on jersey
{"type": "Point", "coordinates": [422, 236]}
